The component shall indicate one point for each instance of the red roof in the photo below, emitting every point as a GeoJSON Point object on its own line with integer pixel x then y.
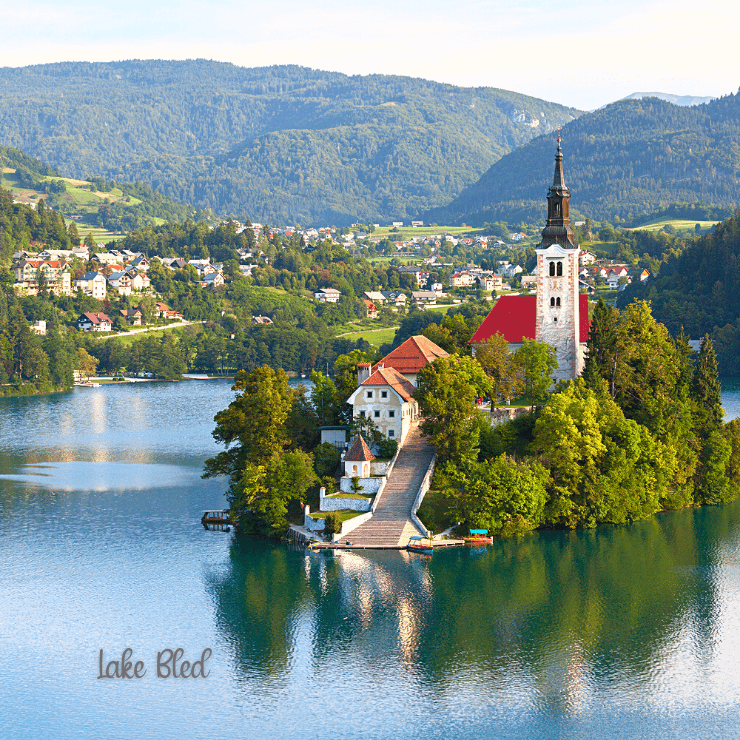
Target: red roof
{"type": "Point", "coordinates": [515, 316]}
{"type": "Point", "coordinates": [391, 377]}
{"type": "Point", "coordinates": [359, 452]}
{"type": "Point", "coordinates": [414, 354]}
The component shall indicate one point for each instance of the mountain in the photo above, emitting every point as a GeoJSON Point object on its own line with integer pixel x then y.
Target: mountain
{"type": "Point", "coordinates": [632, 157]}
{"type": "Point", "coordinates": [281, 144]}
{"type": "Point", "coordinates": [675, 99]}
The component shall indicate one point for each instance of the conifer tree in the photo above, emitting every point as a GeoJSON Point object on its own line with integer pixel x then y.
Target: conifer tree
{"type": "Point", "coordinates": [705, 387]}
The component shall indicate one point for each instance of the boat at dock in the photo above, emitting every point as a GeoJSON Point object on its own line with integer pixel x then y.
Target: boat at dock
{"type": "Point", "coordinates": [478, 537]}
{"type": "Point", "coordinates": [420, 544]}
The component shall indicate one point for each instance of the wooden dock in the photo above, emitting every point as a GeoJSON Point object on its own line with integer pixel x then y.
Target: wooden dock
{"type": "Point", "coordinates": [349, 545]}
{"type": "Point", "coordinates": [216, 516]}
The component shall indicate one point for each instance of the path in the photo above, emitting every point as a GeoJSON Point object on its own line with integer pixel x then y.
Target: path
{"type": "Point", "coordinates": [391, 525]}
{"type": "Point", "coordinates": [152, 328]}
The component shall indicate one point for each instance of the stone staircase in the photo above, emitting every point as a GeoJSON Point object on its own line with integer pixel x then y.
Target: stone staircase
{"type": "Point", "coordinates": [391, 525]}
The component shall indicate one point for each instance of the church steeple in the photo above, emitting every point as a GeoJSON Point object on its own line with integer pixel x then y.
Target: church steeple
{"type": "Point", "coordinates": [558, 229]}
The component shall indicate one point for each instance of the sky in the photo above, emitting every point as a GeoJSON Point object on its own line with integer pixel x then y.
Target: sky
{"type": "Point", "coordinates": [582, 54]}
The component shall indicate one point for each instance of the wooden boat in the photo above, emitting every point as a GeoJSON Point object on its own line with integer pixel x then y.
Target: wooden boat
{"type": "Point", "coordinates": [417, 543]}
{"type": "Point", "coordinates": [478, 537]}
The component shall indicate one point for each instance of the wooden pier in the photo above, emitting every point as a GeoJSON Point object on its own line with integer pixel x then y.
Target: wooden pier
{"type": "Point", "coordinates": [216, 516]}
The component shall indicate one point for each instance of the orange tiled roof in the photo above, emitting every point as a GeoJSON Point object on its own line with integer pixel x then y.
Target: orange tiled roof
{"type": "Point", "coordinates": [359, 452]}
{"type": "Point", "coordinates": [414, 354]}
{"type": "Point", "coordinates": [390, 376]}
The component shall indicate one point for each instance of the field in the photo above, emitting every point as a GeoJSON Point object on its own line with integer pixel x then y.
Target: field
{"type": "Point", "coordinates": [408, 232]}
{"type": "Point", "coordinates": [376, 337]}
{"type": "Point", "coordinates": [678, 224]}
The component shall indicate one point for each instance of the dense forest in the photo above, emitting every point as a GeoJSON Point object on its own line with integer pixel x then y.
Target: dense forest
{"type": "Point", "coordinates": [112, 206]}
{"type": "Point", "coordinates": [629, 158]}
{"type": "Point", "coordinates": [697, 289]}
{"type": "Point", "coordinates": [283, 144]}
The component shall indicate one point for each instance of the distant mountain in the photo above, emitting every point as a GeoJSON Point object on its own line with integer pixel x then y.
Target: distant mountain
{"type": "Point", "coordinates": [631, 158]}
{"type": "Point", "coordinates": [280, 144]}
{"type": "Point", "coordinates": [675, 99]}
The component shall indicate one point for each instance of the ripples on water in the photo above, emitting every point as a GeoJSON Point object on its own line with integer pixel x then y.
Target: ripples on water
{"type": "Point", "coordinates": [628, 632]}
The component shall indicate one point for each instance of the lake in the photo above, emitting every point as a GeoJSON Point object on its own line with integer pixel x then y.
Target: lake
{"type": "Point", "coordinates": [620, 632]}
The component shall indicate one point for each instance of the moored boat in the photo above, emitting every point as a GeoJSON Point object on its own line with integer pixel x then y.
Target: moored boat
{"type": "Point", "coordinates": [478, 537]}
{"type": "Point", "coordinates": [417, 543]}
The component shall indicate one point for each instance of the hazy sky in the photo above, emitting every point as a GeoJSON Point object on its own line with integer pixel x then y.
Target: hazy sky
{"type": "Point", "coordinates": [583, 54]}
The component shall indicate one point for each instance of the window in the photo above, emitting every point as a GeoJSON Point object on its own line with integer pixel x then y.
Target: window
{"type": "Point", "coordinates": [391, 432]}
{"type": "Point", "coordinates": [552, 269]}
{"type": "Point", "coordinates": [560, 269]}
{"type": "Point", "coordinates": [368, 394]}
{"type": "Point", "coordinates": [557, 302]}
{"type": "Point", "coordinates": [362, 414]}
{"type": "Point", "coordinates": [376, 414]}
{"type": "Point", "coordinates": [391, 414]}
{"type": "Point", "coordinates": [552, 301]}
{"type": "Point", "coordinates": [384, 394]}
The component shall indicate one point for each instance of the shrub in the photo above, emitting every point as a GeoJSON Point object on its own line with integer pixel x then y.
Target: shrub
{"type": "Point", "coordinates": [333, 523]}
{"type": "Point", "coordinates": [387, 448]}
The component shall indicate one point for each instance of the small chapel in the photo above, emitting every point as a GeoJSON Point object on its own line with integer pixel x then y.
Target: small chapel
{"type": "Point", "coordinates": [556, 315]}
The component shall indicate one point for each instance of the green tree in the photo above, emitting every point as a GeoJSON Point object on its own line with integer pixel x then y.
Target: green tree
{"type": "Point", "coordinates": [537, 361]}
{"type": "Point", "coordinates": [501, 495]}
{"type": "Point", "coordinates": [705, 386]}
{"type": "Point", "coordinates": [446, 394]}
{"type": "Point", "coordinates": [253, 427]}
{"type": "Point", "coordinates": [505, 372]}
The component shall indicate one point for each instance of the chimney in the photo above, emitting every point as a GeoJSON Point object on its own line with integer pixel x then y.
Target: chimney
{"type": "Point", "coordinates": [363, 372]}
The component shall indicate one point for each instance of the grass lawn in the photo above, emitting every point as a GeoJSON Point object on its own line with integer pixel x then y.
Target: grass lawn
{"type": "Point", "coordinates": [443, 308]}
{"type": "Point", "coordinates": [344, 514]}
{"type": "Point", "coordinates": [342, 494]}
{"type": "Point", "coordinates": [376, 337]}
{"type": "Point", "coordinates": [680, 224]}
{"type": "Point", "coordinates": [409, 232]}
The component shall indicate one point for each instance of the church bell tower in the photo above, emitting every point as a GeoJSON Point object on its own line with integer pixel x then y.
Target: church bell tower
{"type": "Point", "coordinates": [558, 310]}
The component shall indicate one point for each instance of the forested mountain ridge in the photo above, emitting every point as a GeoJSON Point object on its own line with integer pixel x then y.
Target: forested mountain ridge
{"type": "Point", "coordinates": [94, 201]}
{"type": "Point", "coordinates": [629, 158]}
{"type": "Point", "coordinates": [280, 144]}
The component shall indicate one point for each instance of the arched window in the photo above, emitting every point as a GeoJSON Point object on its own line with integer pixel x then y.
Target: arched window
{"type": "Point", "coordinates": [552, 269]}
{"type": "Point", "coordinates": [552, 301]}
{"type": "Point", "coordinates": [560, 269]}
{"type": "Point", "coordinates": [557, 302]}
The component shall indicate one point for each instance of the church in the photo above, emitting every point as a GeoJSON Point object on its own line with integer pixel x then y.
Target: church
{"type": "Point", "coordinates": [556, 315]}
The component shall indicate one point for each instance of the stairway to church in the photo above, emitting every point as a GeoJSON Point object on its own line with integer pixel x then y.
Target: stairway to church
{"type": "Point", "coordinates": [391, 525]}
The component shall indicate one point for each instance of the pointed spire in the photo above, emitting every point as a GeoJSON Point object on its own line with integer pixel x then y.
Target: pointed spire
{"type": "Point", "coordinates": [558, 229]}
{"type": "Point", "coordinates": [558, 180]}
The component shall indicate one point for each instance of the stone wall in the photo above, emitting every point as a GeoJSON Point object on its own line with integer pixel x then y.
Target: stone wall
{"type": "Point", "coordinates": [367, 485]}
{"type": "Point", "coordinates": [335, 503]}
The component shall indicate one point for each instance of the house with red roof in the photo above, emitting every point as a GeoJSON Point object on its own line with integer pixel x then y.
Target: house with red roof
{"type": "Point", "coordinates": [387, 398]}
{"type": "Point", "coordinates": [385, 390]}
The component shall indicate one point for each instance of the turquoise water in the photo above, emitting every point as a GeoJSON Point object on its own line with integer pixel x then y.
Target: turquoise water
{"type": "Point", "coordinates": [630, 632]}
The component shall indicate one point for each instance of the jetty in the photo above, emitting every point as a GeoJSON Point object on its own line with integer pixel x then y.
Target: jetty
{"type": "Point", "coordinates": [216, 516]}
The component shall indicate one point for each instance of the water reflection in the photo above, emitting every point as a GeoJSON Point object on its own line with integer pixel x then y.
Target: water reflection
{"type": "Point", "coordinates": [644, 616]}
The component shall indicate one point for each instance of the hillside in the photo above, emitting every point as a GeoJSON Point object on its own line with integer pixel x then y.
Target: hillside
{"type": "Point", "coordinates": [280, 144]}
{"type": "Point", "coordinates": [629, 158]}
{"type": "Point", "coordinates": [95, 201]}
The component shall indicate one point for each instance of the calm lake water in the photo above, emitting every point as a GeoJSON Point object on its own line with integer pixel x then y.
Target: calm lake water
{"type": "Point", "coordinates": [630, 632]}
